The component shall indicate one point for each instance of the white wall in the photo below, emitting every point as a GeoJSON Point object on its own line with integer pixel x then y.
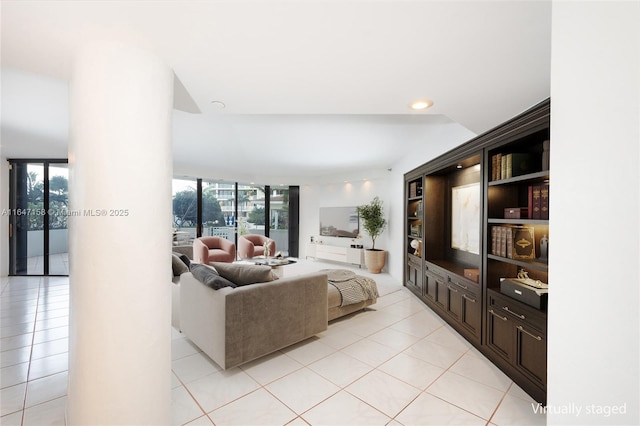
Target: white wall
{"type": "Point", "coordinates": [593, 355]}
{"type": "Point", "coordinates": [388, 185]}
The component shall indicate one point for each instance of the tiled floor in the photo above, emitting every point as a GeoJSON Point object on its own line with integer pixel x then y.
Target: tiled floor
{"type": "Point", "coordinates": [396, 364]}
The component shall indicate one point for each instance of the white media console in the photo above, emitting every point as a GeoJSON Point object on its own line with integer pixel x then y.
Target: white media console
{"type": "Point", "coordinates": [355, 256]}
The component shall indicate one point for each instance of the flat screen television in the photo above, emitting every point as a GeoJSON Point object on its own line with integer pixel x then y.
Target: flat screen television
{"type": "Point", "coordinates": [339, 222]}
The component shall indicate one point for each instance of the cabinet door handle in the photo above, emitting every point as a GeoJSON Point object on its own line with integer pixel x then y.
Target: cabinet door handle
{"type": "Point", "coordinates": [460, 285]}
{"type": "Point", "coordinates": [452, 289]}
{"type": "Point", "coordinates": [496, 315]}
{"type": "Point", "coordinates": [521, 328]}
{"type": "Point", "coordinates": [506, 308]}
{"type": "Point", "coordinates": [468, 298]}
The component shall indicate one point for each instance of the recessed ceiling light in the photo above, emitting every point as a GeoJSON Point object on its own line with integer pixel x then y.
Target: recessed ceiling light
{"type": "Point", "coordinates": [420, 104]}
{"type": "Point", "coordinates": [218, 104]}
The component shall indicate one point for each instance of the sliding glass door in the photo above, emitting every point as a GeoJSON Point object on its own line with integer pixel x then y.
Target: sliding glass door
{"type": "Point", "coordinates": [226, 209]}
{"type": "Point", "coordinates": [38, 202]}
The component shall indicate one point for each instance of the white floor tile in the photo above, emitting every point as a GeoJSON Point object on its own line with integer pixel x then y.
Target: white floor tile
{"type": "Point", "coordinates": [201, 421]}
{"type": "Point", "coordinates": [370, 352]}
{"type": "Point", "coordinates": [302, 389]}
{"type": "Point", "coordinates": [50, 334]}
{"type": "Point", "coordinates": [478, 399]}
{"type": "Point", "coordinates": [15, 342]}
{"type": "Point", "coordinates": [271, 367]}
{"type": "Point", "coordinates": [182, 347]}
{"type": "Point", "coordinates": [193, 367]}
{"type": "Point", "coordinates": [45, 324]}
{"type": "Point", "coordinates": [14, 356]}
{"type": "Point", "coordinates": [257, 408]}
{"type": "Point", "coordinates": [12, 399]}
{"type": "Point", "coordinates": [515, 411]}
{"type": "Point", "coordinates": [344, 409]}
{"type": "Point", "coordinates": [48, 365]}
{"type": "Point", "coordinates": [482, 371]}
{"type": "Point", "coordinates": [14, 419]}
{"type": "Point", "coordinates": [308, 351]}
{"type": "Point", "coordinates": [434, 353]}
{"type": "Point", "coordinates": [50, 413]}
{"type": "Point", "coordinates": [517, 391]}
{"type": "Point", "coordinates": [14, 374]}
{"type": "Point", "coordinates": [220, 388]}
{"type": "Point", "coordinates": [384, 392]}
{"type": "Point", "coordinates": [446, 336]}
{"type": "Point", "coordinates": [340, 368]}
{"type": "Point", "coordinates": [183, 407]}
{"type": "Point", "coordinates": [413, 371]}
{"type": "Point", "coordinates": [429, 410]}
{"type": "Point", "coordinates": [394, 339]}
{"type": "Point", "coordinates": [418, 325]}
{"type": "Point", "coordinates": [52, 347]}
{"type": "Point", "coordinates": [46, 389]}
{"type": "Point", "coordinates": [298, 421]}
{"type": "Point", "coordinates": [339, 338]}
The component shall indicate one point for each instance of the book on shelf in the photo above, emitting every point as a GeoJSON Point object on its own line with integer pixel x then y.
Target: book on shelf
{"type": "Point", "coordinates": [515, 164]}
{"type": "Point", "coordinates": [513, 242]}
{"type": "Point", "coordinates": [496, 163]}
{"type": "Point", "coordinates": [544, 202]}
{"type": "Point", "coordinates": [415, 189]}
{"type": "Point", "coordinates": [534, 201]}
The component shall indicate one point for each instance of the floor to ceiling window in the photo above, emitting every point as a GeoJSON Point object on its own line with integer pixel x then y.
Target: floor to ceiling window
{"type": "Point", "coordinates": [38, 206]}
{"type": "Point", "coordinates": [279, 217]}
{"type": "Point", "coordinates": [218, 209]}
{"type": "Point", "coordinates": [185, 210]}
{"type": "Point", "coordinates": [227, 209]}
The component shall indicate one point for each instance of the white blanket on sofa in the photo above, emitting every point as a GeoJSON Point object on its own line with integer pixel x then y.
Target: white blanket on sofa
{"type": "Point", "coordinates": [353, 288]}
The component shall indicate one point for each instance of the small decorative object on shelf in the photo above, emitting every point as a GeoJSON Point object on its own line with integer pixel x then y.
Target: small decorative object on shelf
{"type": "Point", "coordinates": [516, 213]}
{"type": "Point", "coordinates": [415, 245]}
{"type": "Point", "coordinates": [544, 249]}
{"type": "Point", "coordinates": [472, 274]}
{"type": "Point", "coordinates": [267, 250]}
{"type": "Point", "coordinates": [545, 155]}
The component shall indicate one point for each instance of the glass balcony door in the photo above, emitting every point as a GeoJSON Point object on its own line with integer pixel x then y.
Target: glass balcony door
{"type": "Point", "coordinates": [38, 203]}
{"type": "Point", "coordinates": [218, 209]}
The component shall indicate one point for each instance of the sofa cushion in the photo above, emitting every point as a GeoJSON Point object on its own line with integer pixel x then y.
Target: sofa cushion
{"type": "Point", "coordinates": [242, 274]}
{"type": "Point", "coordinates": [178, 265]}
{"type": "Point", "coordinates": [209, 276]}
{"type": "Point", "coordinates": [183, 257]}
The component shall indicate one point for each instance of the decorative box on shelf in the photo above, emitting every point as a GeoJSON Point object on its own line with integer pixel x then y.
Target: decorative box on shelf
{"type": "Point", "coordinates": [472, 274]}
{"type": "Point", "coordinates": [516, 213]}
{"type": "Point", "coordinates": [535, 296]}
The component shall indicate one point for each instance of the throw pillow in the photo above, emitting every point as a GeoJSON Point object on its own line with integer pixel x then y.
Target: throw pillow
{"type": "Point", "coordinates": [184, 258]}
{"type": "Point", "coordinates": [178, 266]}
{"type": "Point", "coordinates": [241, 274]}
{"type": "Point", "coordinates": [209, 276]}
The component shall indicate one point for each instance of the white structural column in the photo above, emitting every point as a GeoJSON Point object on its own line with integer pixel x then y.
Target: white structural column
{"type": "Point", "coordinates": [120, 171]}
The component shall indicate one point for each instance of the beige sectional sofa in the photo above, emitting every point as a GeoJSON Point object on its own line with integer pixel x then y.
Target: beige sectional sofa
{"type": "Point", "coordinates": [236, 325]}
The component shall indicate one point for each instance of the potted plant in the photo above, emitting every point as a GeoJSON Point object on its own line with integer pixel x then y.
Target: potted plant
{"type": "Point", "coordinates": [373, 223]}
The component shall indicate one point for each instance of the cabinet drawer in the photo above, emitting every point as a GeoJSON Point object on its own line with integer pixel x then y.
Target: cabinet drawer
{"type": "Point", "coordinates": [414, 262]}
{"type": "Point", "coordinates": [519, 311]}
{"type": "Point", "coordinates": [464, 284]}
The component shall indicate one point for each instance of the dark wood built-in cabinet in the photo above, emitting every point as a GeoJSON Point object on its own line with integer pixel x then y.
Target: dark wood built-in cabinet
{"type": "Point", "coordinates": [478, 215]}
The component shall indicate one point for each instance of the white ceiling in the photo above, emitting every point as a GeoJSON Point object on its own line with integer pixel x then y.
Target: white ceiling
{"type": "Point", "coordinates": [311, 87]}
